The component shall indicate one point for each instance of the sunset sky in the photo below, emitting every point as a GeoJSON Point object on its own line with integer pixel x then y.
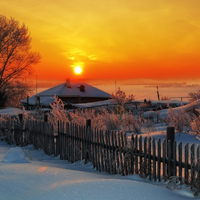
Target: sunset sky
{"type": "Point", "coordinates": [112, 39]}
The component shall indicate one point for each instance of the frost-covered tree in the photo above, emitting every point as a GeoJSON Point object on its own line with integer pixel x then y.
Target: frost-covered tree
{"type": "Point", "coordinates": [16, 59]}
{"type": "Point", "coordinates": [57, 113]}
{"type": "Point", "coordinates": [193, 96]}
{"type": "Point", "coordinates": [120, 97]}
{"type": "Point", "coordinates": [195, 125]}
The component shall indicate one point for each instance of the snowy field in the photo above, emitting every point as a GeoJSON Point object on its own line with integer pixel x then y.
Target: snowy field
{"type": "Point", "coordinates": [26, 173]}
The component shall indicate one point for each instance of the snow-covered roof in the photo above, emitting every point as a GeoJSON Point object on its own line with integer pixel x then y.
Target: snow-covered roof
{"type": "Point", "coordinates": [74, 90]}
{"type": "Point", "coordinates": [62, 90]}
{"type": "Point", "coordinates": [93, 104]}
{"type": "Point", "coordinates": [175, 102]}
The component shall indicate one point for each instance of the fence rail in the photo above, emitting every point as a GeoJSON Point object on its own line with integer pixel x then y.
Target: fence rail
{"type": "Point", "coordinates": [108, 151]}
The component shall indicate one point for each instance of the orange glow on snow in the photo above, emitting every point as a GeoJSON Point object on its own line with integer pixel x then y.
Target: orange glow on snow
{"type": "Point", "coordinates": [42, 169]}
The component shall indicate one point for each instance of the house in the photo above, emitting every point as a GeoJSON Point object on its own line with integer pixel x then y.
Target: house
{"type": "Point", "coordinates": [69, 93]}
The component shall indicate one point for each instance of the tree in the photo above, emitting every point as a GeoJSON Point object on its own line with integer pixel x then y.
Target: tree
{"type": "Point", "coordinates": [16, 60]}
{"type": "Point", "coordinates": [194, 95]}
{"type": "Point", "coordinates": [120, 97]}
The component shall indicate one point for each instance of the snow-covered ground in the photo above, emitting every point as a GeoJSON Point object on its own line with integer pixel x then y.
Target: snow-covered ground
{"type": "Point", "coordinates": [26, 173]}
{"type": "Point", "coordinates": [30, 174]}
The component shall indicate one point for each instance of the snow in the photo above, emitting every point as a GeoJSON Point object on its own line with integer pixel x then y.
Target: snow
{"type": "Point", "coordinates": [170, 102]}
{"type": "Point", "coordinates": [163, 113]}
{"type": "Point", "coordinates": [93, 104]}
{"type": "Point", "coordinates": [10, 111]}
{"type": "Point", "coordinates": [47, 96]}
{"type": "Point", "coordinates": [15, 155]}
{"type": "Point", "coordinates": [30, 174]}
{"type": "Point", "coordinates": [47, 177]}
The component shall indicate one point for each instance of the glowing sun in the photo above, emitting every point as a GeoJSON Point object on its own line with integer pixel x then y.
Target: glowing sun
{"type": "Point", "coordinates": [77, 70]}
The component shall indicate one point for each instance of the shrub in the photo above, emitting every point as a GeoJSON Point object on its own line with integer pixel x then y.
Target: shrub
{"type": "Point", "coordinates": [195, 125]}
{"type": "Point", "coordinates": [130, 123]}
{"type": "Point", "coordinates": [179, 119]}
{"type": "Point", "coordinates": [120, 97]}
{"type": "Point", "coordinates": [58, 112]}
{"type": "Point", "coordinates": [194, 95]}
{"type": "Point", "coordinates": [112, 122]}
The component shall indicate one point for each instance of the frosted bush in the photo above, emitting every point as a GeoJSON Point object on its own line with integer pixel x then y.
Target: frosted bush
{"type": "Point", "coordinates": [194, 95]}
{"type": "Point", "coordinates": [101, 118]}
{"type": "Point", "coordinates": [120, 97]}
{"type": "Point", "coordinates": [195, 125]}
{"type": "Point", "coordinates": [148, 126]}
{"type": "Point", "coordinates": [179, 119]}
{"type": "Point", "coordinates": [58, 112]}
{"type": "Point", "coordinates": [130, 123]}
{"type": "Point", "coordinates": [112, 122]}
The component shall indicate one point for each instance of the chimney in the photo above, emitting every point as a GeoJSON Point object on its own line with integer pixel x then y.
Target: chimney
{"type": "Point", "coordinates": [67, 83]}
{"type": "Point", "coordinates": [82, 88]}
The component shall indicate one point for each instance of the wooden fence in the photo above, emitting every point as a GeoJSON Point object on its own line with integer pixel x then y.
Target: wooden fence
{"type": "Point", "coordinates": [109, 151]}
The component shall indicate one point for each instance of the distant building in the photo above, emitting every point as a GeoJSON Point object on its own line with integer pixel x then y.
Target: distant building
{"type": "Point", "coordinates": [69, 93]}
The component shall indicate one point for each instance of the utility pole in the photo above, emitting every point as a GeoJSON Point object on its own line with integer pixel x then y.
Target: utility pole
{"type": "Point", "coordinates": [158, 94]}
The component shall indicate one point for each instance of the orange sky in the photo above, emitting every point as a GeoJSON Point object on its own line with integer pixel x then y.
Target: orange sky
{"type": "Point", "coordinates": [112, 39]}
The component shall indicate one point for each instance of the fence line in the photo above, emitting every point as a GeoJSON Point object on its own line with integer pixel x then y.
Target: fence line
{"type": "Point", "coordinates": [108, 151]}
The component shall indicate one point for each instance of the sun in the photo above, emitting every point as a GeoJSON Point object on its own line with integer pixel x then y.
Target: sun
{"type": "Point", "coordinates": [78, 70]}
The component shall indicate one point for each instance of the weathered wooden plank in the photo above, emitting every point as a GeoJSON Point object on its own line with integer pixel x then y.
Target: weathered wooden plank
{"type": "Point", "coordinates": [154, 159]}
{"type": "Point", "coordinates": [67, 140]}
{"type": "Point", "coordinates": [169, 165]}
{"type": "Point", "coordinates": [95, 150]}
{"type": "Point", "coordinates": [192, 161]}
{"type": "Point", "coordinates": [180, 161]}
{"type": "Point", "coordinates": [186, 162]}
{"type": "Point", "coordinates": [132, 156]}
{"type": "Point", "coordinates": [136, 156]}
{"type": "Point", "coordinates": [77, 156]}
{"type": "Point", "coordinates": [159, 158]}
{"type": "Point", "coordinates": [117, 151]}
{"type": "Point", "coordinates": [114, 151]}
{"type": "Point", "coordinates": [107, 152]}
{"type": "Point", "coordinates": [145, 157]}
{"type": "Point", "coordinates": [149, 158]}
{"type": "Point", "coordinates": [104, 152]}
{"type": "Point", "coordinates": [126, 155]}
{"type": "Point", "coordinates": [60, 136]}
{"type": "Point", "coordinates": [100, 138]}
{"type": "Point", "coordinates": [121, 169]}
{"type": "Point", "coordinates": [111, 153]}
{"type": "Point", "coordinates": [140, 151]}
{"type": "Point", "coordinates": [122, 154]}
{"type": "Point", "coordinates": [164, 144]}
{"type": "Point", "coordinates": [174, 158]}
{"type": "Point", "coordinates": [82, 129]}
{"type": "Point", "coordinates": [71, 143]}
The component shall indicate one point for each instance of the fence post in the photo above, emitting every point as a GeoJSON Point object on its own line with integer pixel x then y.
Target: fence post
{"type": "Point", "coordinates": [45, 118]}
{"type": "Point", "coordinates": [88, 128]}
{"type": "Point", "coordinates": [19, 136]}
{"type": "Point", "coordinates": [170, 137]}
